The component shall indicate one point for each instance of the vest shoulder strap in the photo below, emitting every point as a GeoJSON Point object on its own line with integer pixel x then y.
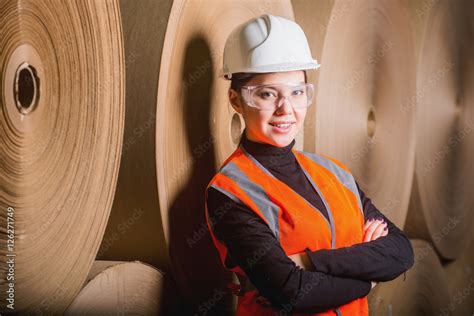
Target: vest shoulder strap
{"type": "Point", "coordinates": [336, 167]}
{"type": "Point", "coordinates": [249, 193]}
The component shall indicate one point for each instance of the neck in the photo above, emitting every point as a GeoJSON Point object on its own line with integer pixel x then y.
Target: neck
{"type": "Point", "coordinates": [268, 153]}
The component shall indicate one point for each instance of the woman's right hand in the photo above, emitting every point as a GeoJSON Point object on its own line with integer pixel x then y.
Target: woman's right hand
{"type": "Point", "coordinates": [375, 228]}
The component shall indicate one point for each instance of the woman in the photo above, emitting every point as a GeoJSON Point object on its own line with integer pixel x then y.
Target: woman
{"type": "Point", "coordinates": [294, 226]}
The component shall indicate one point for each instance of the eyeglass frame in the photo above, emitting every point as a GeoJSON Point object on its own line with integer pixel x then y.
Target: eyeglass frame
{"type": "Point", "coordinates": [253, 87]}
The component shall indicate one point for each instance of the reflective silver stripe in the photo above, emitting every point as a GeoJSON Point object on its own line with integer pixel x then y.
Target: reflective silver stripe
{"type": "Point", "coordinates": [342, 175]}
{"type": "Point", "coordinates": [271, 175]}
{"type": "Point", "coordinates": [331, 219]}
{"type": "Point", "coordinates": [228, 194]}
{"type": "Point", "coordinates": [338, 312]}
{"type": "Point", "coordinates": [256, 193]}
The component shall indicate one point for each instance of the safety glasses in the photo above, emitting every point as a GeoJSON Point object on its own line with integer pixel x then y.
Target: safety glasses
{"type": "Point", "coordinates": [269, 97]}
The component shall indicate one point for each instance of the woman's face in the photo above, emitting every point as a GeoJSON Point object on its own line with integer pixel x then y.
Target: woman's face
{"type": "Point", "coordinates": [260, 125]}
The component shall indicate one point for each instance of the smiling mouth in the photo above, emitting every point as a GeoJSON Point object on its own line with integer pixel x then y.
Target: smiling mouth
{"type": "Point", "coordinates": [282, 125]}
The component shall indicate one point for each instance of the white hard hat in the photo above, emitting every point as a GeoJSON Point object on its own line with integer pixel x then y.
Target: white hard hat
{"type": "Point", "coordinates": [267, 43]}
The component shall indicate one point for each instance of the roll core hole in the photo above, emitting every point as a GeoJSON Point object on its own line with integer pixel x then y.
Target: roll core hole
{"type": "Point", "coordinates": [235, 128]}
{"type": "Point", "coordinates": [458, 105]}
{"type": "Point", "coordinates": [371, 123]}
{"type": "Point", "coordinates": [26, 88]}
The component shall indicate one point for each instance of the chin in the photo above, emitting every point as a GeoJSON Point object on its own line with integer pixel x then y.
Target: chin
{"type": "Point", "coordinates": [281, 141]}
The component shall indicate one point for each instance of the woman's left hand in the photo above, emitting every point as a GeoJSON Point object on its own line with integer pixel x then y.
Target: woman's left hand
{"type": "Point", "coordinates": [375, 228]}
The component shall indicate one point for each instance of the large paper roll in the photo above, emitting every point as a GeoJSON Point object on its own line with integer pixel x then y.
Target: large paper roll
{"type": "Point", "coordinates": [197, 129]}
{"type": "Point", "coordinates": [315, 18]}
{"type": "Point", "coordinates": [120, 288]}
{"type": "Point", "coordinates": [61, 128]}
{"type": "Point", "coordinates": [442, 203]}
{"type": "Point", "coordinates": [367, 73]}
{"type": "Point", "coordinates": [460, 276]}
{"type": "Point", "coordinates": [179, 128]}
{"type": "Point", "coordinates": [135, 228]}
{"type": "Point", "coordinates": [424, 291]}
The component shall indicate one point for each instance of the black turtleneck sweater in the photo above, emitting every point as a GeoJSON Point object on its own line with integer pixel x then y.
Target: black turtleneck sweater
{"type": "Point", "coordinates": [341, 275]}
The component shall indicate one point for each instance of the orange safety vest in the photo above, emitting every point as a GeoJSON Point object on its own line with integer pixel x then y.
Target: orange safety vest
{"type": "Point", "coordinates": [295, 222]}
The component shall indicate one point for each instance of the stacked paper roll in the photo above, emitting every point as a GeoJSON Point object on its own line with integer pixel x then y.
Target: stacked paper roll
{"type": "Point", "coordinates": [179, 129]}
{"type": "Point", "coordinates": [198, 130]}
{"type": "Point", "coordinates": [442, 204]}
{"type": "Point", "coordinates": [385, 84]}
{"type": "Point", "coordinates": [88, 86]}
{"type": "Point", "coordinates": [367, 72]}
{"type": "Point", "coordinates": [120, 288]}
{"type": "Point", "coordinates": [61, 128]}
{"type": "Point", "coordinates": [424, 291]}
{"type": "Point", "coordinates": [135, 228]}
{"type": "Point", "coordinates": [315, 18]}
{"type": "Point", "coordinates": [460, 276]}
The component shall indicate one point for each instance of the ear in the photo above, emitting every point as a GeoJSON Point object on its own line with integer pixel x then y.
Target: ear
{"type": "Point", "coordinates": [235, 100]}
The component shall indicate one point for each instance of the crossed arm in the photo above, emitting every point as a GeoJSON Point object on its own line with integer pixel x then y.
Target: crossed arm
{"type": "Point", "coordinates": [334, 277]}
{"type": "Point", "coordinates": [375, 259]}
{"type": "Point", "coordinates": [374, 228]}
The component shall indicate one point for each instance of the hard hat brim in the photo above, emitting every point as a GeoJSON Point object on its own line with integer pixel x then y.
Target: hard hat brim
{"type": "Point", "coordinates": [283, 67]}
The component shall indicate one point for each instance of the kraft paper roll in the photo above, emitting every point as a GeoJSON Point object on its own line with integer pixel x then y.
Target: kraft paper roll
{"type": "Point", "coordinates": [179, 128]}
{"type": "Point", "coordinates": [460, 276]}
{"type": "Point", "coordinates": [135, 228]}
{"type": "Point", "coordinates": [419, 12]}
{"type": "Point", "coordinates": [423, 292]}
{"type": "Point", "coordinates": [61, 128]}
{"type": "Point", "coordinates": [120, 288]}
{"type": "Point", "coordinates": [315, 18]}
{"type": "Point", "coordinates": [197, 131]}
{"type": "Point", "coordinates": [367, 73]}
{"type": "Point", "coordinates": [442, 203]}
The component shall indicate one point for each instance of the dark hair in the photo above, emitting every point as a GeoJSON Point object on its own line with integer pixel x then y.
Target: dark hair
{"type": "Point", "coordinates": [239, 79]}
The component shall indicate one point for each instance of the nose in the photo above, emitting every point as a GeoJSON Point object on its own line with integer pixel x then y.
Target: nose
{"type": "Point", "coordinates": [284, 107]}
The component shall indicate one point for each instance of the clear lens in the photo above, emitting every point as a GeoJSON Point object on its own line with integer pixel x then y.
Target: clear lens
{"type": "Point", "coordinates": [270, 97]}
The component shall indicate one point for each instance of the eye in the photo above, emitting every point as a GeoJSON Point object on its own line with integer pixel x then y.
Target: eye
{"type": "Point", "coordinates": [298, 92]}
{"type": "Point", "coordinates": [266, 94]}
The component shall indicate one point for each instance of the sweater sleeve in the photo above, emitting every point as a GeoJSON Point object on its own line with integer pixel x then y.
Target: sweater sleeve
{"type": "Point", "coordinates": [253, 247]}
{"type": "Point", "coordinates": [382, 259]}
